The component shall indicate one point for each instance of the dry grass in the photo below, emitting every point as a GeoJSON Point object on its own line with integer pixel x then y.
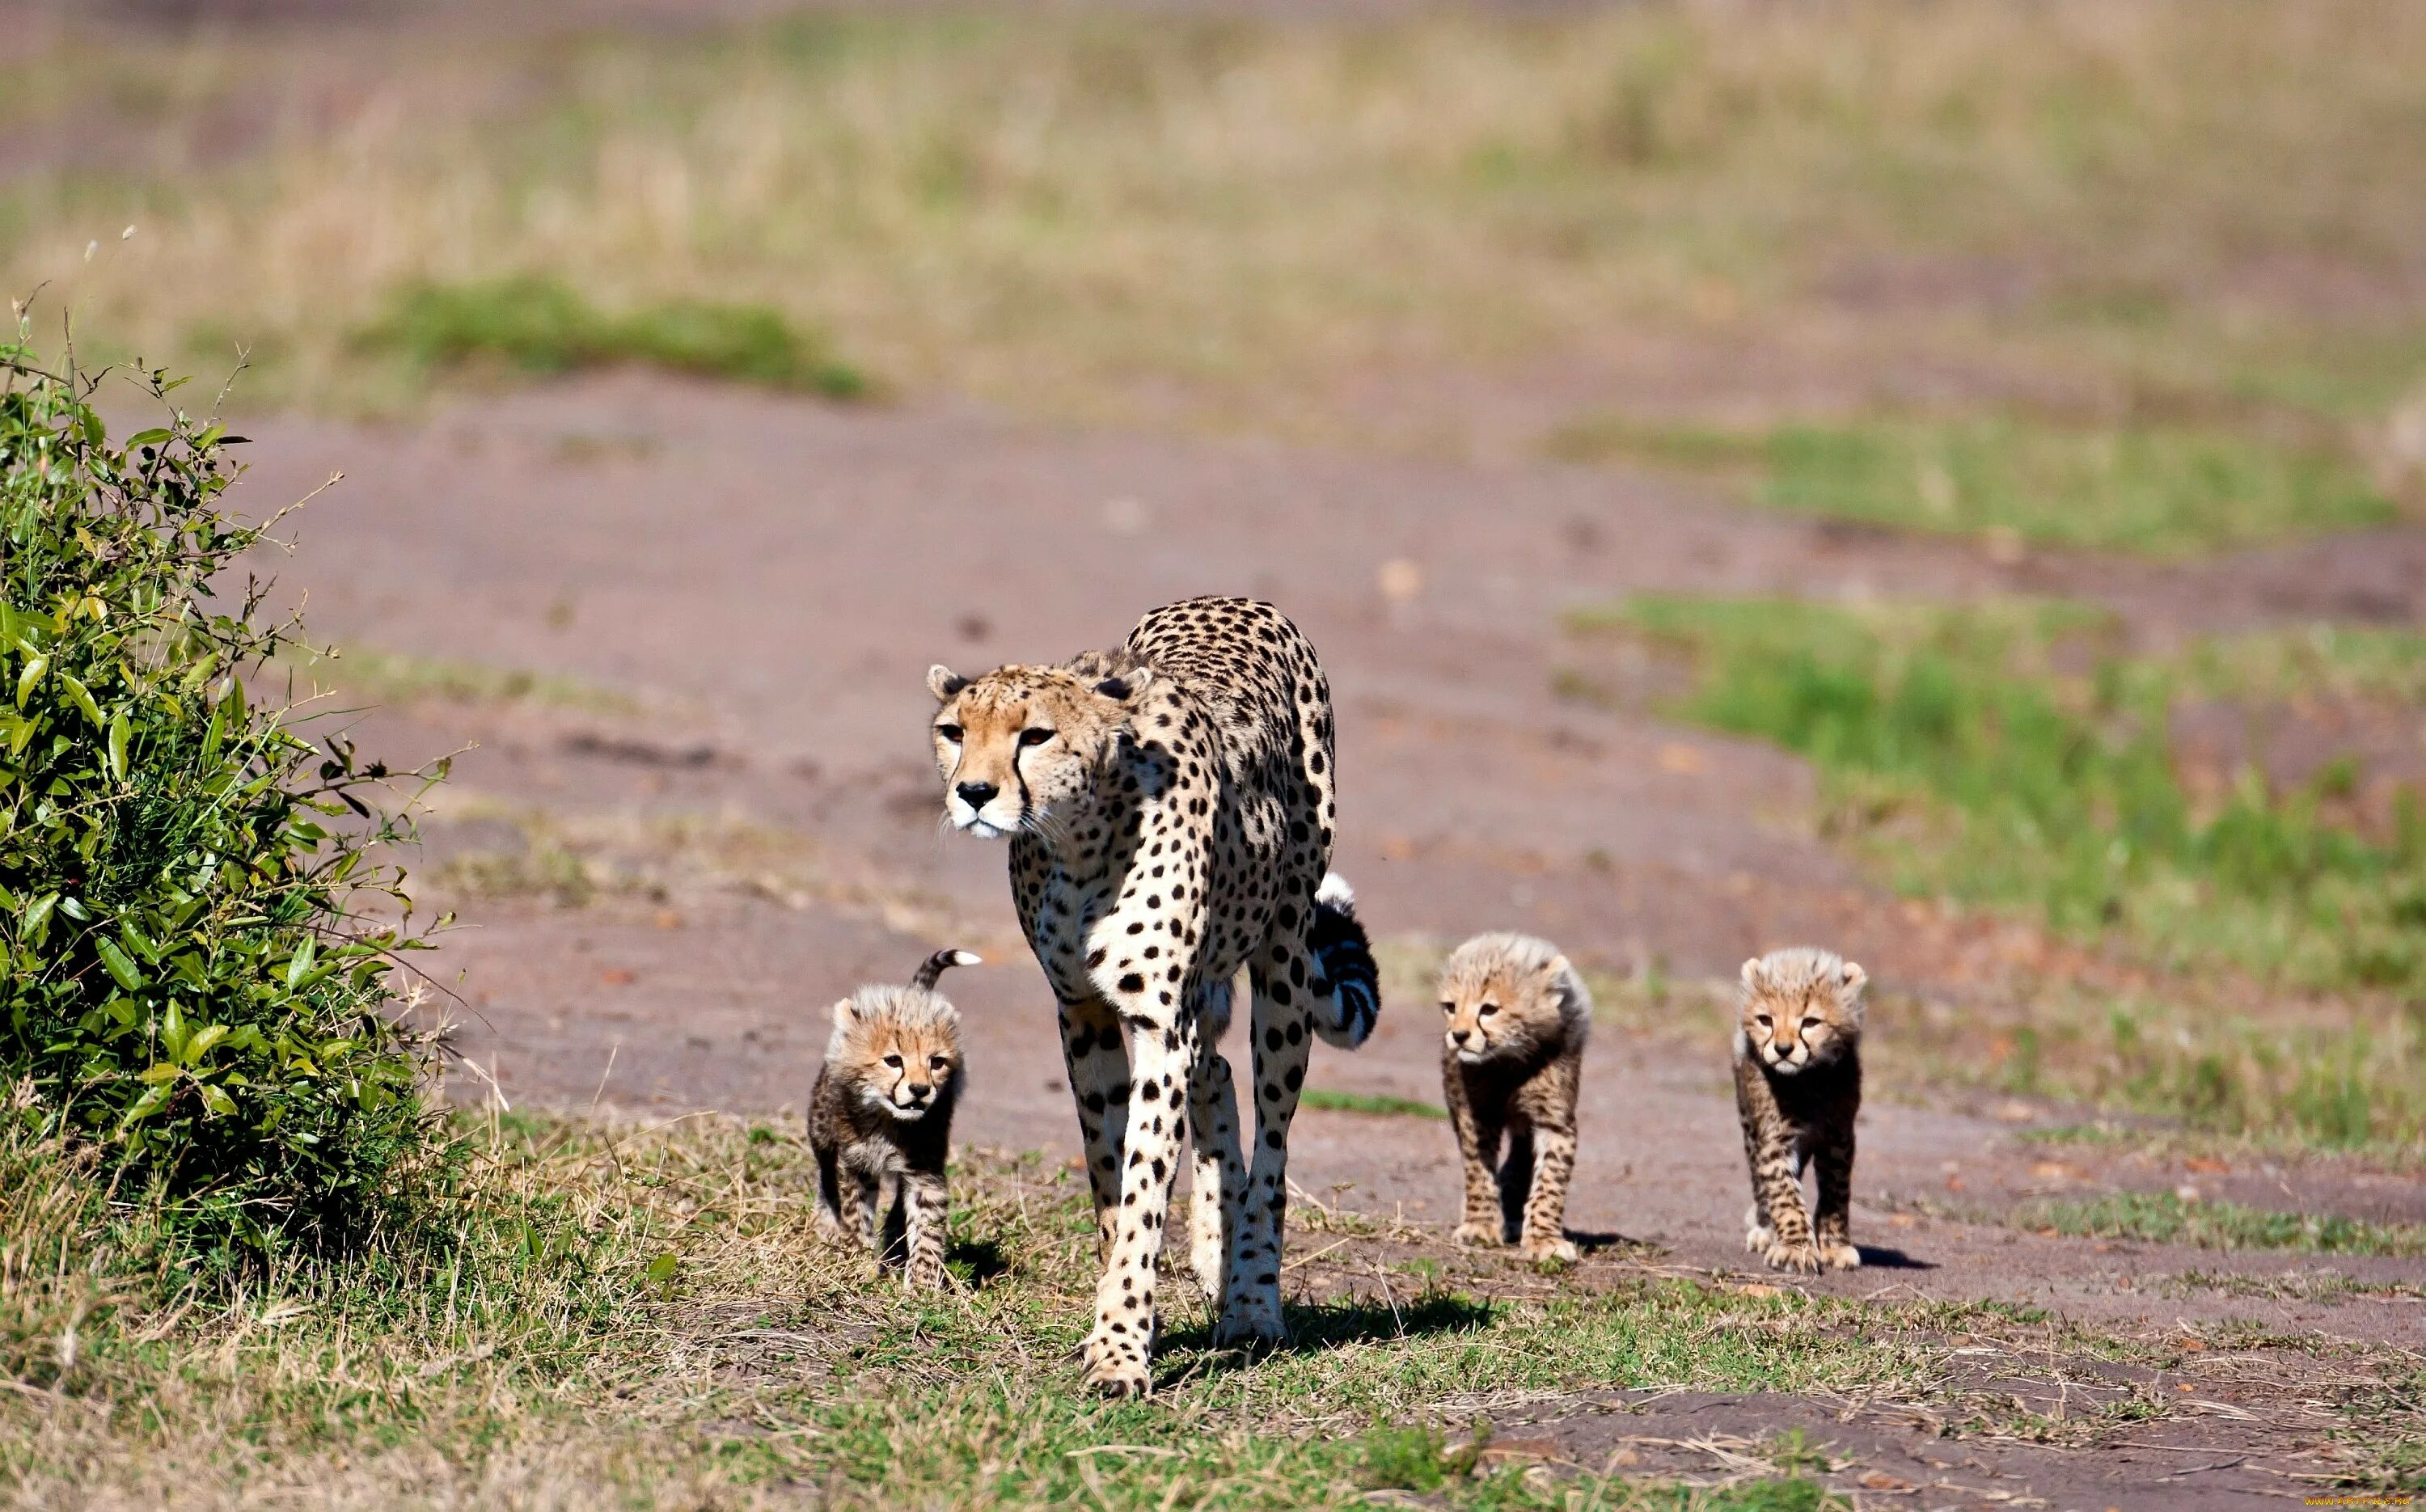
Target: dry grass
{"type": "Point", "coordinates": [1233, 222]}
{"type": "Point", "coordinates": [616, 1315]}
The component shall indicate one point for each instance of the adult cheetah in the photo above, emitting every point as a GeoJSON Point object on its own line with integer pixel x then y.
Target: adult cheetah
{"type": "Point", "coordinates": [1170, 805]}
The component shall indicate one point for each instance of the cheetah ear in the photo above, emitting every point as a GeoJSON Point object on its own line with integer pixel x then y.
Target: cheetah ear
{"type": "Point", "coordinates": [844, 1011]}
{"type": "Point", "coordinates": [1752, 972]}
{"type": "Point", "coordinates": [1854, 977]}
{"type": "Point", "coordinates": [1127, 686]}
{"type": "Point", "coordinates": [1559, 967]}
{"type": "Point", "coordinates": [943, 681]}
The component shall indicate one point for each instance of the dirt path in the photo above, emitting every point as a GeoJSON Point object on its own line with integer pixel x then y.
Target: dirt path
{"type": "Point", "coordinates": [769, 581]}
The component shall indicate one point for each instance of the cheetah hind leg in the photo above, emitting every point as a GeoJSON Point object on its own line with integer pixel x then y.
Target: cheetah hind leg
{"type": "Point", "coordinates": [1220, 1171]}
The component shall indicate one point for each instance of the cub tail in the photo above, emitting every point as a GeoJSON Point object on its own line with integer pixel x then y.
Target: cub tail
{"type": "Point", "coordinates": [936, 964]}
{"type": "Point", "coordinates": [1343, 961]}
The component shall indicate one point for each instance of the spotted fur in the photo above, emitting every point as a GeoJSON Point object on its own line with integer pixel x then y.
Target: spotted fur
{"type": "Point", "coordinates": [881, 1115]}
{"type": "Point", "coordinates": [1171, 809]}
{"type": "Point", "coordinates": [1517, 1018]}
{"type": "Point", "coordinates": [1798, 1088]}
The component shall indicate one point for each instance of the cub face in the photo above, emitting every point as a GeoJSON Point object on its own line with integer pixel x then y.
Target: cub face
{"type": "Point", "coordinates": [1019, 742]}
{"type": "Point", "coordinates": [1801, 1009]}
{"type": "Point", "coordinates": [902, 1068]}
{"type": "Point", "coordinates": [1495, 1006]}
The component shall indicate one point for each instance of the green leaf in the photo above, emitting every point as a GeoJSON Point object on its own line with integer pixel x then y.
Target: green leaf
{"type": "Point", "coordinates": [117, 734]}
{"type": "Point", "coordinates": [173, 1032]}
{"type": "Point", "coordinates": [120, 968]}
{"type": "Point", "coordinates": [204, 1038]}
{"type": "Point", "coordinates": [663, 1268]}
{"type": "Point", "coordinates": [298, 964]}
{"type": "Point", "coordinates": [144, 1106]}
{"type": "Point", "coordinates": [32, 674]}
{"type": "Point", "coordinates": [217, 1101]}
{"type": "Point", "coordinates": [160, 1071]}
{"type": "Point", "coordinates": [83, 698]}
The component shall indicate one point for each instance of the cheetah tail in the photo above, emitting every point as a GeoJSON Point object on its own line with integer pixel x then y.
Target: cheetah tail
{"type": "Point", "coordinates": [1344, 957]}
{"type": "Point", "coordinates": [936, 964]}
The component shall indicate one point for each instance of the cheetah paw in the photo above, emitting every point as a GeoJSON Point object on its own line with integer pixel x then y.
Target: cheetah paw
{"type": "Point", "coordinates": [1759, 1238]}
{"type": "Point", "coordinates": [1841, 1257]}
{"type": "Point", "coordinates": [1558, 1250]}
{"type": "Point", "coordinates": [1477, 1235]}
{"type": "Point", "coordinates": [1783, 1255]}
{"type": "Point", "coordinates": [1249, 1329]}
{"type": "Point", "coordinates": [1115, 1367]}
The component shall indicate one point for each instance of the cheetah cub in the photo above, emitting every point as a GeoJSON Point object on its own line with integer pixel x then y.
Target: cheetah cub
{"type": "Point", "coordinates": [881, 1115]}
{"type": "Point", "coordinates": [1512, 1059]}
{"type": "Point", "coordinates": [1798, 1086]}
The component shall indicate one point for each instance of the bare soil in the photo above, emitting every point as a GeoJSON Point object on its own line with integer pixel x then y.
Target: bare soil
{"type": "Point", "coordinates": [766, 582]}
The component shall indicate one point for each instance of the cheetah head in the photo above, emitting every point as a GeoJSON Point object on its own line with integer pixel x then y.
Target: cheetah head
{"type": "Point", "coordinates": [1019, 743]}
{"type": "Point", "coordinates": [1504, 997]}
{"type": "Point", "coordinates": [900, 1049]}
{"type": "Point", "coordinates": [1801, 1009]}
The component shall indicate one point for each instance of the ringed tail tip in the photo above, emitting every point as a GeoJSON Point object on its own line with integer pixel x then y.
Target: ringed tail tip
{"type": "Point", "coordinates": [933, 969]}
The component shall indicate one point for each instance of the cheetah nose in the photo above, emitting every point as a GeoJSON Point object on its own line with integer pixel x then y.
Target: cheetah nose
{"type": "Point", "coordinates": [1458, 1036]}
{"type": "Point", "coordinates": [918, 1091]}
{"type": "Point", "coordinates": [977, 795]}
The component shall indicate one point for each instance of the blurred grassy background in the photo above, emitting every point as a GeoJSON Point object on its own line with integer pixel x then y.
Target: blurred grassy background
{"type": "Point", "coordinates": [2159, 252]}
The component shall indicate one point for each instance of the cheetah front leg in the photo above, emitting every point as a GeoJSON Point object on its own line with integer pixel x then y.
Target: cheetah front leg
{"type": "Point", "coordinates": [1283, 1041]}
{"type": "Point", "coordinates": [1545, 1204]}
{"type": "Point", "coordinates": [1834, 1156]}
{"type": "Point", "coordinates": [1783, 1233]}
{"type": "Point", "coordinates": [1220, 1175]}
{"type": "Point", "coordinates": [925, 1204]}
{"type": "Point", "coordinates": [1099, 1083]}
{"type": "Point", "coordinates": [1477, 1141]}
{"type": "Point", "coordinates": [829, 1220]}
{"type": "Point", "coordinates": [1115, 1353]}
{"type": "Point", "coordinates": [871, 1211]}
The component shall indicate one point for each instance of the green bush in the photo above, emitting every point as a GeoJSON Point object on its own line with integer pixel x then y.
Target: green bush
{"type": "Point", "coordinates": [186, 985]}
{"type": "Point", "coordinates": [541, 325]}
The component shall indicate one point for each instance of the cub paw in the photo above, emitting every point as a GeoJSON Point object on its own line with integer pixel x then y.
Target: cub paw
{"type": "Point", "coordinates": [1758, 1237]}
{"type": "Point", "coordinates": [1841, 1257]}
{"type": "Point", "coordinates": [1559, 1250]}
{"type": "Point", "coordinates": [1115, 1366]}
{"type": "Point", "coordinates": [1477, 1235]}
{"type": "Point", "coordinates": [1783, 1255]}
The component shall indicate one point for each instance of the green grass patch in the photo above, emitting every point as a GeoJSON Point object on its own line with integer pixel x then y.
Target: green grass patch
{"type": "Point", "coordinates": [1379, 1105]}
{"type": "Point", "coordinates": [384, 677]}
{"type": "Point", "coordinates": [2161, 1217]}
{"type": "Point", "coordinates": [542, 325]}
{"type": "Point", "coordinates": [2156, 489]}
{"type": "Point", "coordinates": [2011, 755]}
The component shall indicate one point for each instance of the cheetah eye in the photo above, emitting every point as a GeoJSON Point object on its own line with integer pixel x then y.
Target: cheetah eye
{"type": "Point", "coordinates": [1489, 1008]}
{"type": "Point", "coordinates": [1035, 735]}
{"type": "Point", "coordinates": [950, 732]}
{"type": "Point", "coordinates": [1761, 1019]}
{"type": "Point", "coordinates": [894, 1061]}
{"type": "Point", "coordinates": [935, 1061]}
{"type": "Point", "coordinates": [1447, 1005]}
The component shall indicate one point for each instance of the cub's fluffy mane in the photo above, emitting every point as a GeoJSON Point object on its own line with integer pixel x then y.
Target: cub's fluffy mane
{"type": "Point", "coordinates": [1797, 973]}
{"type": "Point", "coordinates": [905, 1008]}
